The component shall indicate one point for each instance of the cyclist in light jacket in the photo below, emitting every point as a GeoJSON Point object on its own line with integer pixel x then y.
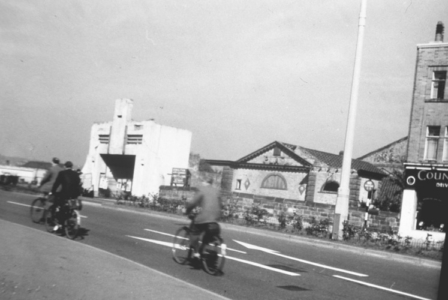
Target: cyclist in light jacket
{"type": "Point", "coordinates": [208, 199]}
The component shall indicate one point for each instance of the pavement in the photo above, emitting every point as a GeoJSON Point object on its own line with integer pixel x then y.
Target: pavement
{"type": "Point", "coordinates": [38, 265]}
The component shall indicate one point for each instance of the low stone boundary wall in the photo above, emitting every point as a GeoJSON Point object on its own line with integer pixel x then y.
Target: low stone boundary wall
{"type": "Point", "coordinates": [382, 221]}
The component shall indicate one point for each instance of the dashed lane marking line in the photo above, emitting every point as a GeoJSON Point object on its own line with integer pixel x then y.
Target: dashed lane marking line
{"type": "Point", "coordinates": [380, 287]}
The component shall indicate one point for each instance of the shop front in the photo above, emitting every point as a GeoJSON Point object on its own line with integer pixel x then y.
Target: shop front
{"type": "Point", "coordinates": [425, 202]}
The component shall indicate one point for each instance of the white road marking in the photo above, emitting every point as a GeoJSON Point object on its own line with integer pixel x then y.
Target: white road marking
{"type": "Point", "coordinates": [172, 235]}
{"type": "Point", "coordinates": [381, 288]}
{"type": "Point", "coordinates": [263, 266]}
{"type": "Point", "coordinates": [27, 205]}
{"type": "Point", "coordinates": [273, 252]}
{"type": "Point", "coordinates": [168, 244]}
{"type": "Point", "coordinates": [256, 247]}
{"type": "Point", "coordinates": [16, 203]}
{"type": "Point", "coordinates": [227, 257]}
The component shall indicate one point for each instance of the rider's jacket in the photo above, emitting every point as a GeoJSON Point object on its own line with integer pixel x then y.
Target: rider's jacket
{"type": "Point", "coordinates": [69, 182]}
{"type": "Point", "coordinates": [49, 178]}
{"type": "Point", "coordinates": [208, 199]}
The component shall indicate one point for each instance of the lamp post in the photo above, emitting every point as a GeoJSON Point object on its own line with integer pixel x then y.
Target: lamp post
{"type": "Point", "coordinates": [342, 201]}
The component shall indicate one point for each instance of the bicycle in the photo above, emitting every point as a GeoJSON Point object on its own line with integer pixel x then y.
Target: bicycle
{"type": "Point", "coordinates": [38, 208]}
{"type": "Point", "coordinates": [212, 256]}
{"type": "Point", "coordinates": [71, 217]}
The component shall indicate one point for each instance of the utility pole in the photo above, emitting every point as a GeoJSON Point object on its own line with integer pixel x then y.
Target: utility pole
{"type": "Point", "coordinates": [342, 201]}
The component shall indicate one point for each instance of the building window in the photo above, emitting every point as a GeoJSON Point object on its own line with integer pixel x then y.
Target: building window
{"type": "Point", "coordinates": [134, 139]}
{"type": "Point", "coordinates": [445, 145]}
{"type": "Point", "coordinates": [138, 127]}
{"type": "Point", "coordinates": [238, 184]}
{"type": "Point", "coordinates": [277, 151]}
{"type": "Point", "coordinates": [330, 186]}
{"type": "Point", "coordinates": [103, 138]}
{"type": "Point", "coordinates": [432, 142]}
{"type": "Point", "coordinates": [275, 181]}
{"type": "Point", "coordinates": [438, 85]}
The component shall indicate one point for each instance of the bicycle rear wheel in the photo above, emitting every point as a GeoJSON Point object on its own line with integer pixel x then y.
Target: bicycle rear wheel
{"type": "Point", "coordinates": [181, 246]}
{"type": "Point", "coordinates": [37, 210]}
{"type": "Point", "coordinates": [213, 257]}
{"type": "Point", "coordinates": [72, 224]}
{"type": "Point", "coordinates": [49, 220]}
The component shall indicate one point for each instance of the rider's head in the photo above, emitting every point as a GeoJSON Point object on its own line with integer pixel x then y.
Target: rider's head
{"type": "Point", "coordinates": [68, 165]}
{"type": "Point", "coordinates": [55, 161]}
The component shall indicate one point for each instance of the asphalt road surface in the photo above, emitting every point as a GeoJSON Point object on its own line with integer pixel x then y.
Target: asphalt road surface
{"type": "Point", "coordinates": [258, 266]}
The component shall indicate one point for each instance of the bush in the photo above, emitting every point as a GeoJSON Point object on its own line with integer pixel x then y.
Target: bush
{"type": "Point", "coordinates": [318, 228]}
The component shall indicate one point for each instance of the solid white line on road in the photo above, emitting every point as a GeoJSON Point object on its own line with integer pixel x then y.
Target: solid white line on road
{"type": "Point", "coordinates": [227, 257]}
{"type": "Point", "coordinates": [274, 252]}
{"type": "Point", "coordinates": [16, 203]}
{"type": "Point", "coordinates": [172, 235]}
{"type": "Point", "coordinates": [263, 266]}
{"type": "Point", "coordinates": [27, 205]}
{"type": "Point", "coordinates": [321, 266]}
{"type": "Point", "coordinates": [381, 288]}
{"type": "Point", "coordinates": [168, 244]}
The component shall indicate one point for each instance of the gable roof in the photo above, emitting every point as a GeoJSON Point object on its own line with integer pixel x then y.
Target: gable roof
{"type": "Point", "coordinates": [286, 148]}
{"type": "Point", "coordinates": [305, 156]}
{"type": "Point", "coordinates": [37, 165]}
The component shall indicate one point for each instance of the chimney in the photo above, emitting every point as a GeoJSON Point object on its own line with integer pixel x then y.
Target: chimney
{"type": "Point", "coordinates": [439, 32]}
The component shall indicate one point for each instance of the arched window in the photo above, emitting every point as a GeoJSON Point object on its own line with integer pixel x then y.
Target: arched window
{"type": "Point", "coordinates": [330, 186]}
{"type": "Point", "coordinates": [274, 181]}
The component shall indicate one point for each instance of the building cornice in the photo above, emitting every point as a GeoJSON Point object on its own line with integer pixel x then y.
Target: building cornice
{"type": "Point", "coordinates": [432, 45]}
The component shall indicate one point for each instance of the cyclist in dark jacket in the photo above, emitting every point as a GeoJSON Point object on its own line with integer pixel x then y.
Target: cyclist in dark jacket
{"type": "Point", "coordinates": [208, 199]}
{"type": "Point", "coordinates": [69, 182]}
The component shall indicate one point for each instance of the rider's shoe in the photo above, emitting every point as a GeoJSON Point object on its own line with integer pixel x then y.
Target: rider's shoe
{"type": "Point", "coordinates": [196, 255]}
{"type": "Point", "coordinates": [56, 228]}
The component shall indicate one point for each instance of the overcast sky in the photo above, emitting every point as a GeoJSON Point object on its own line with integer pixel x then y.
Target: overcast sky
{"type": "Point", "coordinates": [237, 74]}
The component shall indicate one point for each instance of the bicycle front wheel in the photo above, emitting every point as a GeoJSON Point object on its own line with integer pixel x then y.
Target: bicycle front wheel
{"type": "Point", "coordinates": [72, 224]}
{"type": "Point", "coordinates": [181, 246]}
{"type": "Point", "coordinates": [213, 257]}
{"type": "Point", "coordinates": [37, 210]}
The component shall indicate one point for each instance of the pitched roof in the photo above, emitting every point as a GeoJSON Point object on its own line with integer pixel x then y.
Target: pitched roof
{"type": "Point", "coordinates": [305, 156]}
{"type": "Point", "coordinates": [286, 148]}
{"type": "Point", "coordinates": [335, 161]}
{"type": "Point", "coordinates": [37, 165]}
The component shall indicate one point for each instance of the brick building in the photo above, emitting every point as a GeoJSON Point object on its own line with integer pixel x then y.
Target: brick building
{"type": "Point", "coordinates": [424, 203]}
{"type": "Point", "coordinates": [284, 177]}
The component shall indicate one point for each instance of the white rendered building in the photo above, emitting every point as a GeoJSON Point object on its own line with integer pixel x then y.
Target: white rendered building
{"type": "Point", "coordinates": [132, 156]}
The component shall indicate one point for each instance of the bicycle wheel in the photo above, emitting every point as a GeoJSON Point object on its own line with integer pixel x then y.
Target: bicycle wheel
{"type": "Point", "coordinates": [49, 220]}
{"type": "Point", "coordinates": [181, 246]}
{"type": "Point", "coordinates": [37, 210]}
{"type": "Point", "coordinates": [72, 224]}
{"type": "Point", "coordinates": [213, 257]}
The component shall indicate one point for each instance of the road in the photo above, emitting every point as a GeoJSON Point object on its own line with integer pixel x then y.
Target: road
{"type": "Point", "coordinates": [259, 266]}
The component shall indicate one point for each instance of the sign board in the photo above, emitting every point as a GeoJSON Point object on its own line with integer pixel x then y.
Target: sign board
{"type": "Point", "coordinates": [180, 177]}
{"type": "Point", "coordinates": [427, 178]}
{"type": "Point", "coordinates": [369, 185]}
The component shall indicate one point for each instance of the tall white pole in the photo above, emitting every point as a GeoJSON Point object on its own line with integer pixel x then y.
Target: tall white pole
{"type": "Point", "coordinates": [342, 202]}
